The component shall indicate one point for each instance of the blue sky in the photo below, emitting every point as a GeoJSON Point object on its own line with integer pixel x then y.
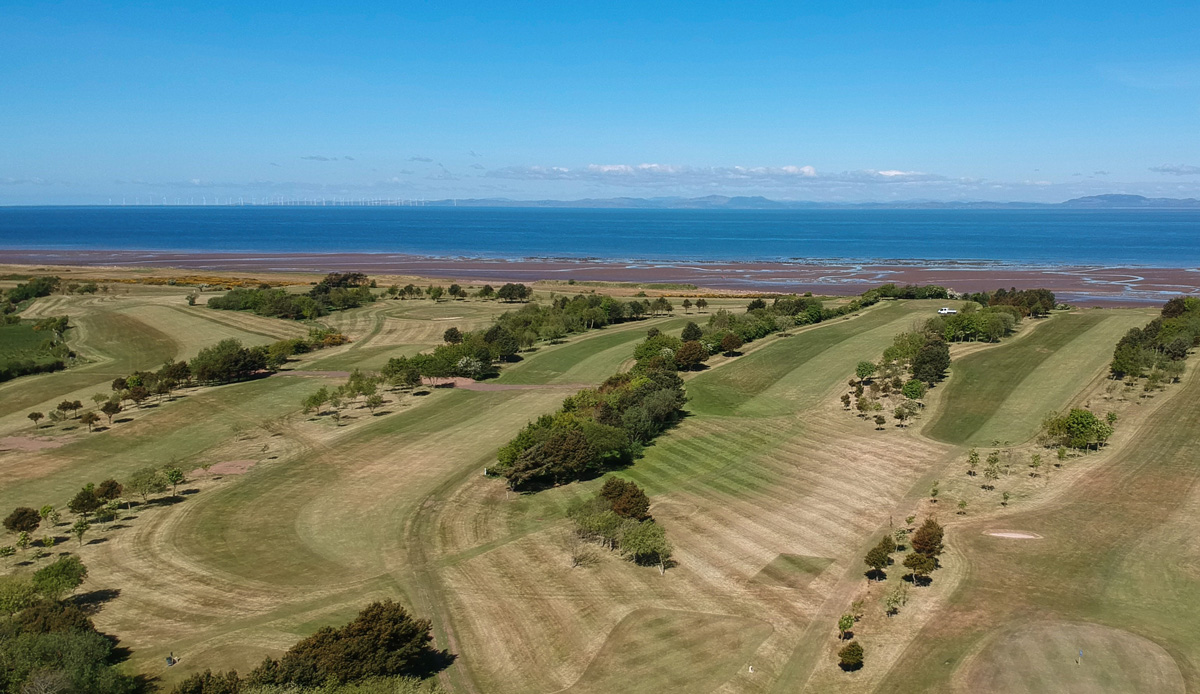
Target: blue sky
{"type": "Point", "coordinates": [791, 100]}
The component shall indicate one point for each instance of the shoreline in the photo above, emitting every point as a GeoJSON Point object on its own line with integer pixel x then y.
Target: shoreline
{"type": "Point", "coordinates": [1108, 285]}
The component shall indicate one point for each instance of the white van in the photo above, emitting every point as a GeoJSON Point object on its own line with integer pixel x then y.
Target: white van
{"type": "Point", "coordinates": [943, 311]}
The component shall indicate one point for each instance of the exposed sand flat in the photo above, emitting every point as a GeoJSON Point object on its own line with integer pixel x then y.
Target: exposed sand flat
{"type": "Point", "coordinates": [1012, 535]}
{"type": "Point", "coordinates": [1090, 285]}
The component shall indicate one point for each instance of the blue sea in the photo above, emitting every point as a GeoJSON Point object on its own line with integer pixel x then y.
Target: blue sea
{"type": "Point", "coordinates": [1163, 238]}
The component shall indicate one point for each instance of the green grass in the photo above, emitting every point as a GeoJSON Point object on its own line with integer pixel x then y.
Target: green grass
{"type": "Point", "coordinates": [1003, 392]}
{"type": "Point", "coordinates": [1044, 657]}
{"type": "Point", "coordinates": [655, 651]}
{"type": "Point", "coordinates": [588, 357]}
{"type": "Point", "coordinates": [20, 342]}
{"type": "Point", "coordinates": [792, 570]}
{"type": "Point", "coordinates": [794, 371]}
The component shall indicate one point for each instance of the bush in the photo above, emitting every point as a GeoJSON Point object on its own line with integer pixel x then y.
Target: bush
{"type": "Point", "coordinates": [383, 640]}
{"type": "Point", "coordinates": [850, 657]}
{"type": "Point", "coordinates": [23, 520]}
{"type": "Point", "coordinates": [60, 578]}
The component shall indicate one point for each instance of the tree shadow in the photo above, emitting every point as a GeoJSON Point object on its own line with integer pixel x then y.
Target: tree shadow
{"type": "Point", "coordinates": [123, 420]}
{"type": "Point", "coordinates": [92, 601]}
{"type": "Point", "coordinates": [97, 541]}
{"type": "Point", "coordinates": [876, 575]}
{"type": "Point", "coordinates": [165, 501]}
{"type": "Point", "coordinates": [188, 492]}
{"type": "Point", "coordinates": [381, 413]}
{"type": "Point", "coordinates": [855, 666]}
{"type": "Point", "coordinates": [918, 581]}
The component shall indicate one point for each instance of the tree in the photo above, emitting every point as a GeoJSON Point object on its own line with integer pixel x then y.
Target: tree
{"type": "Point", "coordinates": [625, 498]}
{"type": "Point", "coordinates": [23, 520]}
{"type": "Point", "coordinates": [209, 683]}
{"type": "Point", "coordinates": [921, 566]}
{"type": "Point", "coordinates": [174, 477]}
{"type": "Point", "coordinates": [864, 370]}
{"type": "Point", "coordinates": [147, 481]}
{"type": "Point", "coordinates": [384, 640]}
{"type": "Point", "coordinates": [845, 624]}
{"type": "Point", "coordinates": [110, 408]}
{"type": "Point", "coordinates": [647, 543]}
{"type": "Point", "coordinates": [931, 362]}
{"type": "Point", "coordinates": [877, 560]}
{"type": "Point", "coordinates": [896, 598]}
{"type": "Point", "coordinates": [687, 305]}
{"type": "Point", "coordinates": [99, 398]}
{"type": "Point", "coordinates": [972, 461]}
{"type": "Point", "coordinates": [513, 292]}
{"type": "Point", "coordinates": [34, 417]}
{"type": "Point", "coordinates": [690, 355]}
{"type": "Point", "coordinates": [49, 514]}
{"type": "Point", "coordinates": [933, 492]}
{"type": "Point", "coordinates": [80, 528]}
{"type": "Point", "coordinates": [84, 502]}
{"type": "Point", "coordinates": [730, 344]}
{"type": "Point", "coordinates": [89, 419]}
{"type": "Point", "coordinates": [846, 400]}
{"type": "Point", "coordinates": [109, 490]}
{"type": "Point", "coordinates": [962, 506]}
{"type": "Point", "coordinates": [452, 336]}
{"type": "Point", "coordinates": [1035, 462]}
{"type": "Point", "coordinates": [913, 389]}
{"type": "Point", "coordinates": [691, 331]}
{"type": "Point", "coordinates": [60, 578]}
{"type": "Point", "coordinates": [928, 538]}
{"type": "Point", "coordinates": [850, 657]}
{"type": "Point", "coordinates": [374, 401]}
{"type": "Point", "coordinates": [880, 420]}
{"type": "Point", "coordinates": [701, 304]}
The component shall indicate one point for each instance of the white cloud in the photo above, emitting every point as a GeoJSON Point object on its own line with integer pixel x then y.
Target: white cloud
{"type": "Point", "coordinates": [1177, 169]}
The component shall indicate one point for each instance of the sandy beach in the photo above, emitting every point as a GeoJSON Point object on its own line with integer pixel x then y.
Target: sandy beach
{"type": "Point", "coordinates": [1087, 285]}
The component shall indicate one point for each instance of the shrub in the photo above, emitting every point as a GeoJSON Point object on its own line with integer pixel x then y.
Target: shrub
{"type": "Point", "coordinates": [850, 657]}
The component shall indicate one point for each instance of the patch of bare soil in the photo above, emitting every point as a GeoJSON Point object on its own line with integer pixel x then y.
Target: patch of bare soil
{"type": "Point", "coordinates": [27, 443]}
{"type": "Point", "coordinates": [1013, 535]}
{"type": "Point", "coordinates": [227, 467]}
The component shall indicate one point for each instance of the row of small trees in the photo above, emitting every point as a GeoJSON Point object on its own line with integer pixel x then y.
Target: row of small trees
{"type": "Point", "coordinates": [92, 502]}
{"type": "Point", "coordinates": [926, 545]}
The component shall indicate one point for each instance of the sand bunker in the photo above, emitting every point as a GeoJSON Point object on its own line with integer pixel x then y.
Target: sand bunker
{"type": "Point", "coordinates": [1013, 535]}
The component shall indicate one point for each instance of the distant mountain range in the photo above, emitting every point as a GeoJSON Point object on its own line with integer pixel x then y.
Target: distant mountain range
{"type": "Point", "coordinates": [723, 202]}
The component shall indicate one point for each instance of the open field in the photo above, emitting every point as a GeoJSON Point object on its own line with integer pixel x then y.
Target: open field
{"type": "Point", "coordinates": [768, 489]}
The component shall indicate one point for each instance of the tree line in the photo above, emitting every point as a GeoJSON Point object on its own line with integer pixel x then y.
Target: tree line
{"type": "Point", "coordinates": [34, 288]}
{"type": "Point", "coordinates": [1159, 350]}
{"type": "Point", "coordinates": [336, 292]}
{"type": "Point", "coordinates": [1029, 302]}
{"type": "Point", "coordinates": [383, 641]}
{"type": "Point", "coordinates": [597, 428]}
{"type": "Point", "coordinates": [227, 361]}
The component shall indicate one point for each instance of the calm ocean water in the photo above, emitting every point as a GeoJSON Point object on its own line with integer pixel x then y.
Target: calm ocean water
{"type": "Point", "coordinates": [1166, 238]}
